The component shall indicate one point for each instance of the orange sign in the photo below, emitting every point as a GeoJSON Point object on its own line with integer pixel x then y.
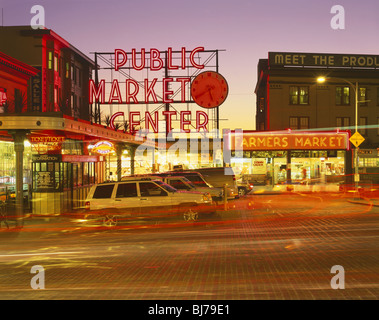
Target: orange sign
{"type": "Point", "coordinates": [291, 141]}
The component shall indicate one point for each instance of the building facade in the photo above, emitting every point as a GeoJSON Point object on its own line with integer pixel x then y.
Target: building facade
{"type": "Point", "coordinates": [289, 96]}
{"type": "Point", "coordinates": [45, 125]}
{"type": "Point", "coordinates": [62, 83]}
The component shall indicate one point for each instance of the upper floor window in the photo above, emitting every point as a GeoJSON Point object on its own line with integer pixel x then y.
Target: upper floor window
{"type": "Point", "coordinates": [342, 96]}
{"type": "Point", "coordinates": [362, 96]}
{"type": "Point", "coordinates": [50, 60]}
{"type": "Point", "coordinates": [299, 95]}
{"type": "Point", "coordinates": [343, 122]}
{"type": "Point", "coordinates": [299, 123]}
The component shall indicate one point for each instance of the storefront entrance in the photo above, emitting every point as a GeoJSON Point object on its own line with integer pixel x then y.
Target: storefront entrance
{"type": "Point", "coordinates": [300, 166]}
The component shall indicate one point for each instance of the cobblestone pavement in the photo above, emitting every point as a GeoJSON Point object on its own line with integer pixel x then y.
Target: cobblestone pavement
{"type": "Point", "coordinates": [284, 248]}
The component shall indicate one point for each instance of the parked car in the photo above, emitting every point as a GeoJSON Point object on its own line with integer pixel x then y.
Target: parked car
{"type": "Point", "coordinates": [178, 182]}
{"type": "Point", "coordinates": [219, 177]}
{"type": "Point", "coordinates": [244, 187]}
{"type": "Point", "coordinates": [143, 197]}
{"type": "Point", "coordinates": [182, 183]}
{"type": "Point", "coordinates": [200, 183]}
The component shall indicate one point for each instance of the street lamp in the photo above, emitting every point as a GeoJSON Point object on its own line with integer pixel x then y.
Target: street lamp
{"type": "Point", "coordinates": [355, 88]}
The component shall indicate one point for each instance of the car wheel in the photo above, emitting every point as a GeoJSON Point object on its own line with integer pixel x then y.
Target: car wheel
{"type": "Point", "coordinates": [241, 192]}
{"type": "Point", "coordinates": [110, 220]}
{"type": "Point", "coordinates": [190, 215]}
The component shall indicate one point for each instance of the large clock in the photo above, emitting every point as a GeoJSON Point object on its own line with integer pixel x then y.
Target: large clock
{"type": "Point", "coordinates": [209, 89]}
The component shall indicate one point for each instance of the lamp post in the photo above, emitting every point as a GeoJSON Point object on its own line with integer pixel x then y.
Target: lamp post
{"type": "Point", "coordinates": [355, 88]}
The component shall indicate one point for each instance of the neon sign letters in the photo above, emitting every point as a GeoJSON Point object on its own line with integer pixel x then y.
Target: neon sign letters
{"type": "Point", "coordinates": [131, 91]}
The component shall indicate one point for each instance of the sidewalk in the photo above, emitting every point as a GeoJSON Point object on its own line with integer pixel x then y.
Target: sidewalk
{"type": "Point", "coordinates": [367, 202]}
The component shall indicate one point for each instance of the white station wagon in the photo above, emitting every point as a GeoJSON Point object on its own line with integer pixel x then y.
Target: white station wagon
{"type": "Point", "coordinates": [144, 198]}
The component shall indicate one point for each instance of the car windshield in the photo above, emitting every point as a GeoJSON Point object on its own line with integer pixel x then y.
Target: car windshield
{"type": "Point", "coordinates": [165, 186]}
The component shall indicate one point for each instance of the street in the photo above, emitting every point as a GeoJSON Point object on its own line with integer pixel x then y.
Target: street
{"type": "Point", "coordinates": [283, 248]}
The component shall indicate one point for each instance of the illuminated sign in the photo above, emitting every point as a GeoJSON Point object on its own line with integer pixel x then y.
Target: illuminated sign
{"type": "Point", "coordinates": [289, 141]}
{"type": "Point", "coordinates": [103, 147]}
{"type": "Point", "coordinates": [47, 144]}
{"type": "Point", "coordinates": [132, 87]}
{"type": "Point", "coordinates": [166, 90]}
{"type": "Point", "coordinates": [46, 139]}
{"type": "Point", "coordinates": [280, 59]}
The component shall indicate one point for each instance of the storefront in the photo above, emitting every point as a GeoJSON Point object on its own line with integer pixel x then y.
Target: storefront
{"type": "Point", "coordinates": [279, 157]}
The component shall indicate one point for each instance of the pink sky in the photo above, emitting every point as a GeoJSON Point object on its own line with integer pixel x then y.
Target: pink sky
{"type": "Point", "coordinates": [246, 29]}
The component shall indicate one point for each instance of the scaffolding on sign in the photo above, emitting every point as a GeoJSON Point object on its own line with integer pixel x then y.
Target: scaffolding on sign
{"type": "Point", "coordinates": [105, 62]}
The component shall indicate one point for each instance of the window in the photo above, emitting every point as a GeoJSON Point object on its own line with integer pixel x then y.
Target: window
{"type": "Point", "coordinates": [299, 95]}
{"type": "Point", "coordinates": [67, 70]}
{"type": "Point", "coordinates": [342, 96]}
{"type": "Point", "coordinates": [343, 122]}
{"type": "Point", "coordinates": [299, 123]}
{"type": "Point", "coordinates": [362, 96]}
{"type": "Point", "coordinates": [103, 192]}
{"type": "Point", "coordinates": [50, 61]}
{"type": "Point", "coordinates": [56, 65]}
{"type": "Point", "coordinates": [149, 189]}
{"type": "Point", "coordinates": [362, 125]}
{"type": "Point", "coordinates": [126, 190]}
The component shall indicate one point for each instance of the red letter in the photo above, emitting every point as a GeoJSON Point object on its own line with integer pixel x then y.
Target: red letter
{"type": "Point", "coordinates": [114, 116]}
{"type": "Point", "coordinates": [155, 56]}
{"type": "Point", "coordinates": [198, 66]}
{"type": "Point", "coordinates": [183, 87]}
{"type": "Point", "coordinates": [166, 92]}
{"type": "Point", "coordinates": [116, 88]}
{"type": "Point", "coordinates": [134, 93]}
{"type": "Point", "coordinates": [148, 120]}
{"type": "Point", "coordinates": [201, 125]}
{"type": "Point", "coordinates": [134, 58]}
{"type": "Point", "coordinates": [168, 115]}
{"type": "Point", "coordinates": [169, 60]}
{"type": "Point", "coordinates": [149, 90]}
{"type": "Point", "coordinates": [117, 63]}
{"type": "Point", "coordinates": [99, 93]}
{"type": "Point", "coordinates": [184, 122]}
{"type": "Point", "coordinates": [131, 120]}
{"type": "Point", "coordinates": [183, 58]}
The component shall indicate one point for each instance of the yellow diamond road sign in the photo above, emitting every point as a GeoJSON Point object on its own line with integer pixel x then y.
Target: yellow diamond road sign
{"type": "Point", "coordinates": [356, 139]}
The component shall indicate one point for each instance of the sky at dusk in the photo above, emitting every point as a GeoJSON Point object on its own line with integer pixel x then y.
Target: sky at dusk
{"type": "Point", "coordinates": [246, 29]}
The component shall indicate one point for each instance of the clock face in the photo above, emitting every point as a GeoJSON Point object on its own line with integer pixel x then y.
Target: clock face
{"type": "Point", "coordinates": [209, 89]}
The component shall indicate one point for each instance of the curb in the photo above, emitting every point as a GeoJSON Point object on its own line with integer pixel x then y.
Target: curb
{"type": "Point", "coordinates": [365, 203]}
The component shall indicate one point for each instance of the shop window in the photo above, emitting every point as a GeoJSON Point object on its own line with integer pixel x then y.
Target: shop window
{"type": "Point", "coordinates": [299, 95]}
{"type": "Point", "coordinates": [342, 96]}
